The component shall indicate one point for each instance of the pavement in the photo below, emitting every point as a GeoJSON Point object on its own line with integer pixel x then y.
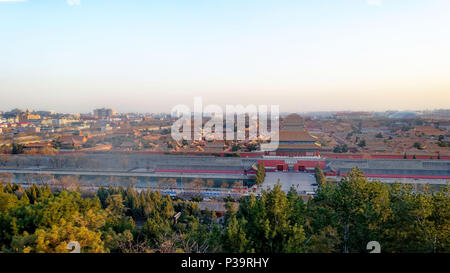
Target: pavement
{"type": "Point", "coordinates": [302, 182]}
{"type": "Point", "coordinates": [126, 174]}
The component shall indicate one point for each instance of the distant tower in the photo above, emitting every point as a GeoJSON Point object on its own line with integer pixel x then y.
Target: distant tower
{"type": "Point", "coordinates": [295, 140]}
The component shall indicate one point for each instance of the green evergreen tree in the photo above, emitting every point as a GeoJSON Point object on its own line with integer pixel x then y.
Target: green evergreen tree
{"type": "Point", "coordinates": [319, 175]}
{"type": "Point", "coordinates": [260, 174]}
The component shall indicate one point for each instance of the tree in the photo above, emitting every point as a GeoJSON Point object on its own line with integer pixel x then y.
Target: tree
{"type": "Point", "coordinates": [48, 151]}
{"type": "Point", "coordinates": [341, 148]}
{"type": "Point", "coordinates": [318, 174]}
{"type": "Point", "coordinates": [43, 222]}
{"type": "Point", "coordinates": [326, 240]}
{"type": "Point", "coordinates": [343, 217]}
{"type": "Point", "coordinates": [418, 145]}
{"type": "Point", "coordinates": [69, 182]}
{"type": "Point", "coordinates": [419, 222]}
{"type": "Point", "coordinates": [355, 208]}
{"type": "Point", "coordinates": [264, 224]}
{"type": "Point", "coordinates": [197, 183]}
{"type": "Point", "coordinates": [17, 148]}
{"type": "Point", "coordinates": [55, 239]}
{"type": "Point", "coordinates": [440, 217]}
{"type": "Point", "coordinates": [253, 146]}
{"type": "Point", "coordinates": [235, 147]}
{"type": "Point", "coordinates": [260, 174]}
{"type": "Point", "coordinates": [90, 143]}
{"type": "Point", "coordinates": [4, 159]}
{"type": "Point", "coordinates": [115, 206]}
{"type": "Point", "coordinates": [6, 177]}
{"type": "Point", "coordinates": [234, 238]}
{"type": "Point", "coordinates": [442, 143]}
{"type": "Point", "coordinates": [362, 143]}
{"type": "Point", "coordinates": [56, 144]}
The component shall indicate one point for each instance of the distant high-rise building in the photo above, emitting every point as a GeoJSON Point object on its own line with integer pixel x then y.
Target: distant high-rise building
{"type": "Point", "coordinates": [104, 112]}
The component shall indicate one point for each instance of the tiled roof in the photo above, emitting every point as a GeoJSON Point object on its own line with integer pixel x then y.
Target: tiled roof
{"type": "Point", "coordinates": [293, 118]}
{"type": "Point", "coordinates": [296, 136]}
{"type": "Point", "coordinates": [314, 146]}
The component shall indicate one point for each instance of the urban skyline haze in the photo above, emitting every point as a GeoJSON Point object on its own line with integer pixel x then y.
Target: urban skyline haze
{"type": "Point", "coordinates": [137, 56]}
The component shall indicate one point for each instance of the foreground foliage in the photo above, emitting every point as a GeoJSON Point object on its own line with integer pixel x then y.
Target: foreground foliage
{"type": "Point", "coordinates": [343, 217]}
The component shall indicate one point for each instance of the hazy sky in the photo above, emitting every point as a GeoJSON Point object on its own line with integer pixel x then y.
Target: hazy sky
{"type": "Point", "coordinates": [148, 56]}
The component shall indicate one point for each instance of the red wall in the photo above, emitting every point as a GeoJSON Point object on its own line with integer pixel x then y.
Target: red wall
{"type": "Point", "coordinates": [305, 163]}
{"type": "Point", "coordinates": [359, 156]}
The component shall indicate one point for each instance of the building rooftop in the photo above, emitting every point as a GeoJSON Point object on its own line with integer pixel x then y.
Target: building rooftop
{"type": "Point", "coordinates": [297, 136]}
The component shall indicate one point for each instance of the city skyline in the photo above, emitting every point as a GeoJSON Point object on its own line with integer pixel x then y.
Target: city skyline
{"type": "Point", "coordinates": [283, 113]}
{"type": "Point", "coordinates": [148, 57]}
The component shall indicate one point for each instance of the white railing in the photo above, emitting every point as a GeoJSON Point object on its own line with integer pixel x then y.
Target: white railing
{"type": "Point", "coordinates": [311, 158]}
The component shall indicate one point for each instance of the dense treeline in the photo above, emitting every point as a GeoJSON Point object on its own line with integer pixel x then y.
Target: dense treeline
{"type": "Point", "coordinates": [343, 217]}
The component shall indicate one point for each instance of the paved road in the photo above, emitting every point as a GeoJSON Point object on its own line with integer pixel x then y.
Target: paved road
{"type": "Point", "coordinates": [121, 173]}
{"type": "Point", "coordinates": [300, 181]}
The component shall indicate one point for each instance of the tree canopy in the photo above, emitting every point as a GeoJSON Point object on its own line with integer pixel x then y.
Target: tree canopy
{"type": "Point", "coordinates": [342, 217]}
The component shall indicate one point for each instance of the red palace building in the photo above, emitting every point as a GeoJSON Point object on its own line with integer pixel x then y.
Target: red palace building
{"type": "Point", "coordinates": [298, 151]}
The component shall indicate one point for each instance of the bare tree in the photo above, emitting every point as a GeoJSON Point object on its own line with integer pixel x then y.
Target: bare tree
{"type": "Point", "coordinates": [44, 178]}
{"type": "Point", "coordinates": [172, 182]}
{"type": "Point", "coordinates": [238, 183]}
{"type": "Point", "coordinates": [69, 182]}
{"type": "Point", "coordinates": [4, 159]}
{"type": "Point", "coordinates": [210, 183]}
{"type": "Point", "coordinates": [197, 183]}
{"type": "Point", "coordinates": [131, 181]}
{"type": "Point", "coordinates": [48, 151]}
{"type": "Point", "coordinates": [29, 178]}
{"type": "Point", "coordinates": [161, 182]}
{"type": "Point", "coordinates": [166, 182]}
{"type": "Point", "coordinates": [129, 246]}
{"type": "Point", "coordinates": [179, 242]}
{"type": "Point", "coordinates": [191, 246]}
{"type": "Point", "coordinates": [6, 177]}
